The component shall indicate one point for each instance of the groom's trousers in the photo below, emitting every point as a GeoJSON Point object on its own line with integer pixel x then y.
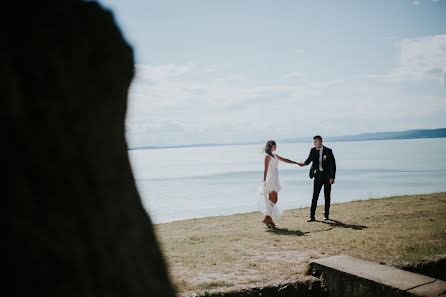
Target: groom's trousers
{"type": "Point", "coordinates": [321, 179]}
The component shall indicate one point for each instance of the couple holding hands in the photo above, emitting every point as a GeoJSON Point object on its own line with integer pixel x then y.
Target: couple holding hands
{"type": "Point", "coordinates": [323, 170]}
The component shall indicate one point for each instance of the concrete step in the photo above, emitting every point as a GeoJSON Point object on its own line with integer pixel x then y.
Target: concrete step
{"type": "Point", "coordinates": [347, 276]}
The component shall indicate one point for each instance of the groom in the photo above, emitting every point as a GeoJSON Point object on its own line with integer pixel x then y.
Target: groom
{"type": "Point", "coordinates": [323, 169]}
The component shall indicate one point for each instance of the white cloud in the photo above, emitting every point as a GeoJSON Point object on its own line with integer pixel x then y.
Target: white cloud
{"type": "Point", "coordinates": [418, 2]}
{"type": "Point", "coordinates": [183, 104]}
{"type": "Point", "coordinates": [216, 68]}
{"type": "Point", "coordinates": [232, 77]}
{"type": "Point", "coordinates": [293, 75]}
{"type": "Point", "coordinates": [162, 72]}
{"type": "Point", "coordinates": [422, 58]}
{"type": "Point", "coordinates": [326, 84]}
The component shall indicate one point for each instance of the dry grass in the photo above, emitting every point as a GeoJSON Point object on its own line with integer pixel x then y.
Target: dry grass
{"type": "Point", "coordinates": [234, 252]}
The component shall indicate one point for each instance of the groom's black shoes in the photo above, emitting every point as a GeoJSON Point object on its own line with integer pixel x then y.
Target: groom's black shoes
{"type": "Point", "coordinates": [326, 218]}
{"type": "Point", "coordinates": [311, 219]}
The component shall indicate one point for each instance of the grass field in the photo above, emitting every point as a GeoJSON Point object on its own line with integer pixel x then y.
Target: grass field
{"type": "Point", "coordinates": [238, 252]}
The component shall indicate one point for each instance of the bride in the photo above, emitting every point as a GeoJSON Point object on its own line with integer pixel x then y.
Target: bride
{"type": "Point", "coordinates": [271, 184]}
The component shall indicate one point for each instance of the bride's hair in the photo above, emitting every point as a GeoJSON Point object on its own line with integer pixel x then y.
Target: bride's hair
{"type": "Point", "coordinates": [269, 146]}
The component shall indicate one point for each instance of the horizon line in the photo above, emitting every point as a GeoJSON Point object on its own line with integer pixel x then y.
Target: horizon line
{"type": "Point", "coordinates": [340, 138]}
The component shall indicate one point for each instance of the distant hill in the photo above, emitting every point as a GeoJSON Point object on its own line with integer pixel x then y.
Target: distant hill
{"type": "Point", "coordinates": [409, 134]}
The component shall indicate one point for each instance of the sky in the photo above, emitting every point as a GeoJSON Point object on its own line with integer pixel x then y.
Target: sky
{"type": "Point", "coordinates": [222, 71]}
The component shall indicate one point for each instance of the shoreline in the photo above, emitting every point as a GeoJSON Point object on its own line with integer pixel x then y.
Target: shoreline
{"type": "Point", "coordinates": [291, 209]}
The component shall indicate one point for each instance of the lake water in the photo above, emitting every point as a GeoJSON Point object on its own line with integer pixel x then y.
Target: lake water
{"type": "Point", "coordinates": [182, 183]}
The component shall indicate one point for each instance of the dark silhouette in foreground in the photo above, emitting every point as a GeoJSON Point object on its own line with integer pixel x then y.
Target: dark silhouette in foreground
{"type": "Point", "coordinates": [75, 225]}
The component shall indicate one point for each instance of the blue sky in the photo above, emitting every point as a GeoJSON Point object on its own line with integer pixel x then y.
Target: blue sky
{"type": "Point", "coordinates": [226, 71]}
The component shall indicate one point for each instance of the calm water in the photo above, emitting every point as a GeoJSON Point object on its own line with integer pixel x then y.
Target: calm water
{"type": "Point", "coordinates": [183, 183]}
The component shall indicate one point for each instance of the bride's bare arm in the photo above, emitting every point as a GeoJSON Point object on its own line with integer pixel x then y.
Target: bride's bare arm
{"type": "Point", "coordinates": [267, 159]}
{"type": "Point", "coordinates": [307, 161]}
{"type": "Point", "coordinates": [285, 160]}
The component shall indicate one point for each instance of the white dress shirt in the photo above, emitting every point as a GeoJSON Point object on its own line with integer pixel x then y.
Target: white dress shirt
{"type": "Point", "coordinates": [321, 153]}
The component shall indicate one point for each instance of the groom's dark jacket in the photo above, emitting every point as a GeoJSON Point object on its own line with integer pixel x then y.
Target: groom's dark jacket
{"type": "Point", "coordinates": [328, 162]}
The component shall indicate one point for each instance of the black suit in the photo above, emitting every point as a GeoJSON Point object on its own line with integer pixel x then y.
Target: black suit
{"type": "Point", "coordinates": [321, 178]}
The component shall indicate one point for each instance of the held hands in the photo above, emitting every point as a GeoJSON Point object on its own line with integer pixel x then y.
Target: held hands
{"type": "Point", "coordinates": [332, 181]}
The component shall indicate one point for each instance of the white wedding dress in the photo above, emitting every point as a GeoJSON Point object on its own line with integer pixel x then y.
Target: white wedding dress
{"type": "Point", "coordinates": [270, 184]}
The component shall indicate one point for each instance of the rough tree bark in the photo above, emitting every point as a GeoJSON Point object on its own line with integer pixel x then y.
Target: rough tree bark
{"type": "Point", "coordinates": [75, 225]}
